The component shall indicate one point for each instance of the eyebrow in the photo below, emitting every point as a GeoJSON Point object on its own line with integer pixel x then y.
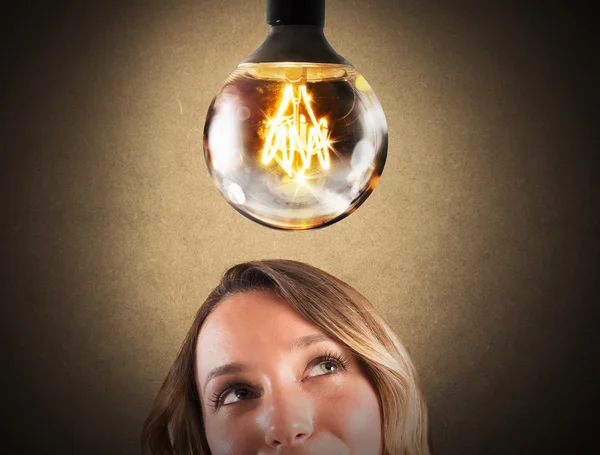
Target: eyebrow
{"type": "Point", "coordinates": [229, 368]}
{"type": "Point", "coordinates": [236, 367]}
{"type": "Point", "coordinates": [308, 340]}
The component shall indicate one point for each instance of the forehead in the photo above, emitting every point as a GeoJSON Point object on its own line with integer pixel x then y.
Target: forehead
{"type": "Point", "coordinates": [243, 323]}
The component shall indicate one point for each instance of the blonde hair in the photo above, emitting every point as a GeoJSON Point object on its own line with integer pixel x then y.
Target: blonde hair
{"type": "Point", "coordinates": [175, 425]}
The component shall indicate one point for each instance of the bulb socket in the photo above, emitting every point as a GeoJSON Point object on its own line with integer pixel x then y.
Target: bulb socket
{"type": "Point", "coordinates": [296, 12]}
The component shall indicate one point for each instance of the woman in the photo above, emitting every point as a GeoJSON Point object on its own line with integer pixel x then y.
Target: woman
{"type": "Point", "coordinates": [283, 358]}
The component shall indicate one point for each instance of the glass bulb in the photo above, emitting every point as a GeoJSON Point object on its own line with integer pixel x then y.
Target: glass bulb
{"type": "Point", "coordinates": [295, 145]}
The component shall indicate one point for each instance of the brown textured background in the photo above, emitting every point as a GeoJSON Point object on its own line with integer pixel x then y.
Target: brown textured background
{"type": "Point", "coordinates": [478, 244]}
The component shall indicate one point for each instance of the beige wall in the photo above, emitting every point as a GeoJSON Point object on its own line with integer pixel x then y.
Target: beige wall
{"type": "Point", "coordinates": [470, 245]}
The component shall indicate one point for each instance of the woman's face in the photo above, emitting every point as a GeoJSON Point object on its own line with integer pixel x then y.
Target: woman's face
{"type": "Point", "coordinates": [272, 383]}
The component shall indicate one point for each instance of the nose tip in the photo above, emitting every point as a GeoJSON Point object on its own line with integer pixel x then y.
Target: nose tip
{"type": "Point", "coordinates": [297, 434]}
{"type": "Point", "coordinates": [287, 417]}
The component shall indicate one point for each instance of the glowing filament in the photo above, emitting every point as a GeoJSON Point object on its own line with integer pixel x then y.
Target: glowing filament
{"type": "Point", "coordinates": [291, 140]}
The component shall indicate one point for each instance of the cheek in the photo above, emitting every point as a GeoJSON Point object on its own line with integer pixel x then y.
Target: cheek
{"type": "Point", "coordinates": [355, 418]}
{"type": "Point", "coordinates": [229, 434]}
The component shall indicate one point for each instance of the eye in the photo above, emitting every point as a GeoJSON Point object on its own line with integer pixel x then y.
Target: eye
{"type": "Point", "coordinates": [232, 394]}
{"type": "Point", "coordinates": [235, 395]}
{"type": "Point", "coordinates": [323, 368]}
{"type": "Point", "coordinates": [327, 364]}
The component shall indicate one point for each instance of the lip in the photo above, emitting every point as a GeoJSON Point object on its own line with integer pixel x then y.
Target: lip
{"type": "Point", "coordinates": [324, 444]}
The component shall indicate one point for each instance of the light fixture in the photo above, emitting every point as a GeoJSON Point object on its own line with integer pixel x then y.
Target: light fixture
{"type": "Point", "coordinates": [296, 139]}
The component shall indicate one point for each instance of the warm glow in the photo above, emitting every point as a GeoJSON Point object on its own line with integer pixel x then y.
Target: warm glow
{"type": "Point", "coordinates": [291, 140]}
{"type": "Point", "coordinates": [293, 145]}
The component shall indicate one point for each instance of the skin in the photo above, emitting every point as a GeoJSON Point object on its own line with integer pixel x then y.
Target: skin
{"type": "Point", "coordinates": [289, 399]}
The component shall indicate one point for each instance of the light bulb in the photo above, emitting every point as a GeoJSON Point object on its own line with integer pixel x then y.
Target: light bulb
{"type": "Point", "coordinates": [296, 139]}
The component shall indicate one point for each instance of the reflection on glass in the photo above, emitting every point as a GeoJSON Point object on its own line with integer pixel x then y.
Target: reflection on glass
{"type": "Point", "coordinates": [294, 145]}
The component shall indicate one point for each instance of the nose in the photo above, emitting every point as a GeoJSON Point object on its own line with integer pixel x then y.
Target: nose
{"type": "Point", "coordinates": [289, 420]}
